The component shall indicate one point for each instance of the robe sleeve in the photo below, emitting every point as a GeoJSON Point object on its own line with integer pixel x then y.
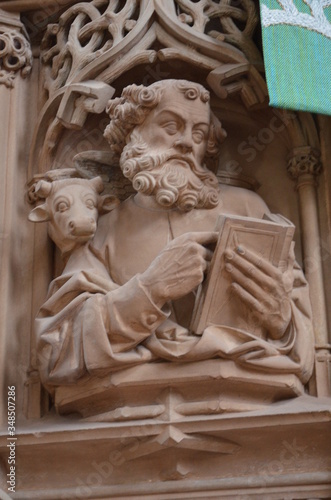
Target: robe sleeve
{"type": "Point", "coordinates": [88, 324]}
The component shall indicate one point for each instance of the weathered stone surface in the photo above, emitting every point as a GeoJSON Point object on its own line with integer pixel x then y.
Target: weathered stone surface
{"type": "Point", "coordinates": [137, 405]}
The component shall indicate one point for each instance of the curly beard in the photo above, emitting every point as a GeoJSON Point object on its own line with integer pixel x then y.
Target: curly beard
{"type": "Point", "coordinates": [174, 180]}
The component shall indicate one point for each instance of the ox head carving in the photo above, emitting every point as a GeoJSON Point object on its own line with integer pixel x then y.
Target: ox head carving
{"type": "Point", "coordinates": [71, 208]}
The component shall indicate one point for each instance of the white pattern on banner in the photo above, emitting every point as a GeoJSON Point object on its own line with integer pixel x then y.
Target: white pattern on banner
{"type": "Point", "coordinates": [290, 15]}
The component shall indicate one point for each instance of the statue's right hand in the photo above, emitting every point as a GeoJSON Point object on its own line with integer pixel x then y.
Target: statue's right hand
{"type": "Point", "coordinates": [179, 268]}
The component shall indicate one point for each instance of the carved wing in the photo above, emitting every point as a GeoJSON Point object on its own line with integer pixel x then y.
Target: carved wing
{"type": "Point", "coordinates": [90, 164]}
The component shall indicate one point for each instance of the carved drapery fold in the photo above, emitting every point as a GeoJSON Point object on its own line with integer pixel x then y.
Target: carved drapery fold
{"type": "Point", "coordinates": [15, 51]}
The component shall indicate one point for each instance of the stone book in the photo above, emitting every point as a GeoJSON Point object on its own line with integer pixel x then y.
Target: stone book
{"type": "Point", "coordinates": [269, 238]}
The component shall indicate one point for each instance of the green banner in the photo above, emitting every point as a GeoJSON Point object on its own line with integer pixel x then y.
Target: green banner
{"type": "Point", "coordinates": [297, 53]}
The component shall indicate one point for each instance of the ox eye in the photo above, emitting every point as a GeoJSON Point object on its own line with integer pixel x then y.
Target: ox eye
{"type": "Point", "coordinates": [90, 203]}
{"type": "Point", "coordinates": [62, 206]}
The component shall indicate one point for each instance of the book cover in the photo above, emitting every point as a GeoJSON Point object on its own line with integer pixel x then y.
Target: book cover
{"type": "Point", "coordinates": [216, 304]}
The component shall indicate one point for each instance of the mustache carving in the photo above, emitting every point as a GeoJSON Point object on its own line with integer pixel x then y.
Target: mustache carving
{"type": "Point", "coordinates": [175, 180]}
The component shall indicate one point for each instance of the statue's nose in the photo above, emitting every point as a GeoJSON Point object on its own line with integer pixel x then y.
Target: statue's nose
{"type": "Point", "coordinates": [184, 144]}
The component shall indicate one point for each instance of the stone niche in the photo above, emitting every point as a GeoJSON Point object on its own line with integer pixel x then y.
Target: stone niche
{"type": "Point", "coordinates": [156, 426]}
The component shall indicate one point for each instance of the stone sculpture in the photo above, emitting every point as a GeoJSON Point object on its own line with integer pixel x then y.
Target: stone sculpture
{"type": "Point", "coordinates": [71, 207]}
{"type": "Point", "coordinates": [129, 299]}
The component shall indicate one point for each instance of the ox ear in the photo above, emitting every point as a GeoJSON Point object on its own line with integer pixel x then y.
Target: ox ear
{"type": "Point", "coordinates": [39, 214]}
{"type": "Point", "coordinates": [107, 203]}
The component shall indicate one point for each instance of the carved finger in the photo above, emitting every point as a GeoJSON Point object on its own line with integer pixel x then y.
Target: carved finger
{"type": "Point", "coordinates": [246, 283]}
{"type": "Point", "coordinates": [258, 261]}
{"type": "Point", "coordinates": [203, 237]}
{"type": "Point", "coordinates": [247, 298]}
{"type": "Point", "coordinates": [251, 271]}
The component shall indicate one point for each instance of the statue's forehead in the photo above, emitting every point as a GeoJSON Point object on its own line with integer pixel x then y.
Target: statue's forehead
{"type": "Point", "coordinates": [175, 101]}
{"type": "Point", "coordinates": [70, 189]}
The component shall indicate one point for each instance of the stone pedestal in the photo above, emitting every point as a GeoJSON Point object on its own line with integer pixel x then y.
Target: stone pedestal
{"type": "Point", "coordinates": [160, 431]}
{"type": "Point", "coordinates": [163, 391]}
{"type": "Point", "coordinates": [279, 452]}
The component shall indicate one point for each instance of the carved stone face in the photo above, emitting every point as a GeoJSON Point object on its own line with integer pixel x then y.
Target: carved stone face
{"type": "Point", "coordinates": [179, 124]}
{"type": "Point", "coordinates": [72, 207]}
{"type": "Point", "coordinates": [164, 156]}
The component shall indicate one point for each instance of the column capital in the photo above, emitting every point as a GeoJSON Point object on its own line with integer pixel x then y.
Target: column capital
{"type": "Point", "coordinates": [304, 160]}
{"type": "Point", "coordinates": [15, 50]}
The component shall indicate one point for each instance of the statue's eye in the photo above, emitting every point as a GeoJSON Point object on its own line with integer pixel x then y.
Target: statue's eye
{"type": "Point", "coordinates": [62, 206]}
{"type": "Point", "coordinates": [171, 127]}
{"type": "Point", "coordinates": [198, 136]}
{"type": "Point", "coordinates": [89, 202]}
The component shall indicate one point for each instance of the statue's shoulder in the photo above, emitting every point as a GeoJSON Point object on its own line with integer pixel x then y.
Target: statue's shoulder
{"type": "Point", "coordinates": [241, 201]}
{"type": "Point", "coordinates": [112, 221]}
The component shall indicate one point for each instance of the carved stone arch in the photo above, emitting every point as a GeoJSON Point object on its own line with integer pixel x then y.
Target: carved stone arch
{"type": "Point", "coordinates": [82, 71]}
{"type": "Point", "coordinates": [76, 95]}
{"type": "Point", "coordinates": [152, 31]}
{"type": "Point", "coordinates": [222, 454]}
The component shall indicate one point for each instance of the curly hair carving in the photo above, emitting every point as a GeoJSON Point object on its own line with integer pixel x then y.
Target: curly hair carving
{"type": "Point", "coordinates": [137, 101]}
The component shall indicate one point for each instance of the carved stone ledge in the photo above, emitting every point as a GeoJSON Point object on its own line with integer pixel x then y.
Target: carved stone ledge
{"type": "Point", "coordinates": [304, 160]}
{"type": "Point", "coordinates": [180, 391]}
{"type": "Point", "coordinates": [283, 452]}
{"type": "Point", "coordinates": [15, 50]}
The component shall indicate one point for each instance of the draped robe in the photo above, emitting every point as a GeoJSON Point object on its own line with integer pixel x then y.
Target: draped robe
{"type": "Point", "coordinates": [98, 317]}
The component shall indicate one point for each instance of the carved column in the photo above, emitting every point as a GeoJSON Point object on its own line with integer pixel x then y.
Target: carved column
{"type": "Point", "coordinates": [16, 111]}
{"type": "Point", "coordinates": [15, 51]}
{"type": "Point", "coordinates": [304, 166]}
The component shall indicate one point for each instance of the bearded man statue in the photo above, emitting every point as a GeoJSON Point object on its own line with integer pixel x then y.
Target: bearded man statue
{"type": "Point", "coordinates": [129, 299]}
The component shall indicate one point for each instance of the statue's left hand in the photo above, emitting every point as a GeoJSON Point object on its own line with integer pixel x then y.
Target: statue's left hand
{"type": "Point", "coordinates": [263, 288]}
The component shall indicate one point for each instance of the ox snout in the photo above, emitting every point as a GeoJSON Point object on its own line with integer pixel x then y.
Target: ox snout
{"type": "Point", "coordinates": [84, 227]}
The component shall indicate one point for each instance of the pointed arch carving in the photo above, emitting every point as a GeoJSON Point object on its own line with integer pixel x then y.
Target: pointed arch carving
{"type": "Point", "coordinates": [103, 39]}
